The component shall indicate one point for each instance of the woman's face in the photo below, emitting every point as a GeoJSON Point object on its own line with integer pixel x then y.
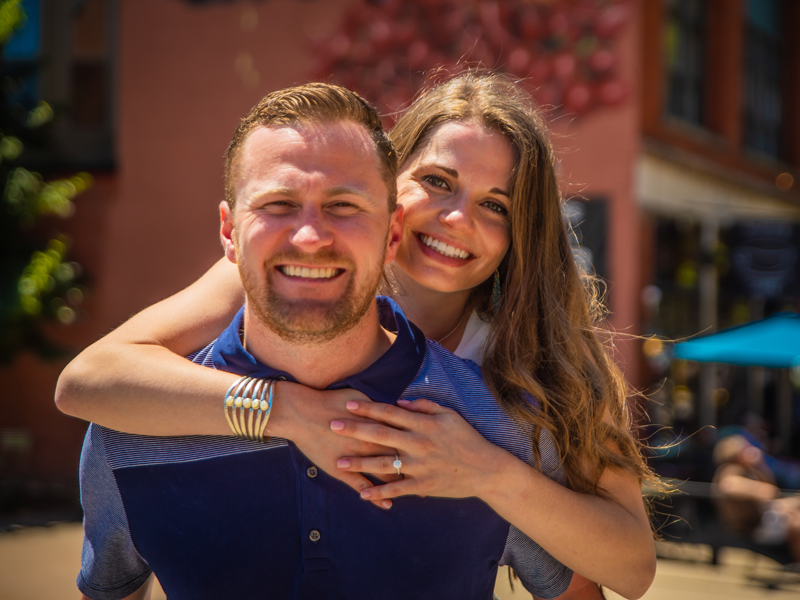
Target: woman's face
{"type": "Point", "coordinates": [455, 191]}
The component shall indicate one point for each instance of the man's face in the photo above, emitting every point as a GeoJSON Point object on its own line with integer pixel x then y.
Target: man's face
{"type": "Point", "coordinates": [310, 229]}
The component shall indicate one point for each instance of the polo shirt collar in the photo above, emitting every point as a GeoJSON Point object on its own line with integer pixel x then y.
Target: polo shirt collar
{"type": "Point", "coordinates": [383, 381]}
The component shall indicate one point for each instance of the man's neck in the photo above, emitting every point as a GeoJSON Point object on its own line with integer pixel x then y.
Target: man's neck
{"type": "Point", "coordinates": [319, 364]}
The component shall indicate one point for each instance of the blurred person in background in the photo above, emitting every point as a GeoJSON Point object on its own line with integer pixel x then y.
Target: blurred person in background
{"type": "Point", "coordinates": [748, 501]}
{"type": "Point", "coordinates": [484, 267]}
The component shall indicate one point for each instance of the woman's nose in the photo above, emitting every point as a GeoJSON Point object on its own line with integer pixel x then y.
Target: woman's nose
{"type": "Point", "coordinates": [457, 213]}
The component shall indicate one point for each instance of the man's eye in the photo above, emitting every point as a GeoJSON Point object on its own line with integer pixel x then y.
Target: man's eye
{"type": "Point", "coordinates": [343, 207]}
{"type": "Point", "coordinates": [278, 206]}
{"type": "Point", "coordinates": [496, 207]}
{"type": "Point", "coordinates": [436, 181]}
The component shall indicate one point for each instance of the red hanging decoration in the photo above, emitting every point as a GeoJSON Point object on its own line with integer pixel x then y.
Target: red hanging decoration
{"type": "Point", "coordinates": [564, 51]}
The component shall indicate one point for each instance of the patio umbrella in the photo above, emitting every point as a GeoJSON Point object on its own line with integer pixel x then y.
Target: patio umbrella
{"type": "Point", "coordinates": [772, 342]}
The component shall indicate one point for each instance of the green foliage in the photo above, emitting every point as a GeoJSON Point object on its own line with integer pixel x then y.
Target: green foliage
{"type": "Point", "coordinates": [11, 17]}
{"type": "Point", "coordinates": [37, 281]}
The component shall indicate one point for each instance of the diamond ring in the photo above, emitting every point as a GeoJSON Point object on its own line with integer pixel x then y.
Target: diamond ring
{"type": "Point", "coordinates": [397, 464]}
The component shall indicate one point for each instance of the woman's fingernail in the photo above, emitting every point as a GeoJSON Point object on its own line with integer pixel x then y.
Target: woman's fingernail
{"type": "Point", "coordinates": [365, 494]}
{"type": "Point", "coordinates": [342, 463]}
{"type": "Point", "coordinates": [386, 504]}
{"type": "Point", "coordinates": [337, 425]}
{"type": "Point", "coordinates": [403, 402]}
{"type": "Point", "coordinates": [352, 405]}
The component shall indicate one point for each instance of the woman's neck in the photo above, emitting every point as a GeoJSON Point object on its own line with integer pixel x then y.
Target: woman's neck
{"type": "Point", "coordinates": [442, 316]}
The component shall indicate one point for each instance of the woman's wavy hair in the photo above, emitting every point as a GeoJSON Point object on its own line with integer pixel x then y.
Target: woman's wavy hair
{"type": "Point", "coordinates": [544, 341]}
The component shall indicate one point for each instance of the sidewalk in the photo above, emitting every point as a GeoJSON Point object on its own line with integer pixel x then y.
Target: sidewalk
{"type": "Point", "coordinates": [41, 563]}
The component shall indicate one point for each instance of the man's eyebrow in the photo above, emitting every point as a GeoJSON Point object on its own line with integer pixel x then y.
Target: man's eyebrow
{"type": "Point", "coordinates": [454, 173]}
{"type": "Point", "coordinates": [344, 190]}
{"type": "Point", "coordinates": [280, 191]}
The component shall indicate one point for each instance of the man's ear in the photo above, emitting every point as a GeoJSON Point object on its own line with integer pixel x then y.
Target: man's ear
{"type": "Point", "coordinates": [227, 234]}
{"type": "Point", "coordinates": [395, 233]}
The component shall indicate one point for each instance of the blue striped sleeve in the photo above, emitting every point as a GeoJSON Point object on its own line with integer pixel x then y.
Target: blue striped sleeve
{"type": "Point", "coordinates": [541, 574]}
{"type": "Point", "coordinates": [112, 568]}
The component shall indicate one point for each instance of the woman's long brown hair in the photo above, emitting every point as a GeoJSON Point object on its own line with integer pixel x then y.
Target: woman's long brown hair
{"type": "Point", "coordinates": [544, 341]}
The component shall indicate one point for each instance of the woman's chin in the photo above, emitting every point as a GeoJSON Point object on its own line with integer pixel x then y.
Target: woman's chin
{"type": "Point", "coordinates": [431, 277]}
{"type": "Point", "coordinates": [443, 285]}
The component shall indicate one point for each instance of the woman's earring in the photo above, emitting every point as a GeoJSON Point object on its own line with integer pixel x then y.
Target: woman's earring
{"type": "Point", "coordinates": [496, 291]}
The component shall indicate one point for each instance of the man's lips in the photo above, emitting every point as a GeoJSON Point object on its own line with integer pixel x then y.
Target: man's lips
{"type": "Point", "coordinates": [298, 271]}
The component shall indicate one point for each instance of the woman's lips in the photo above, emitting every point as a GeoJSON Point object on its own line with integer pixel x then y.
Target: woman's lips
{"type": "Point", "coordinates": [442, 248]}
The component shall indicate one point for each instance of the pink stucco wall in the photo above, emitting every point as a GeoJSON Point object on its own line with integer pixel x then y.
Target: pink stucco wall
{"type": "Point", "coordinates": [598, 156]}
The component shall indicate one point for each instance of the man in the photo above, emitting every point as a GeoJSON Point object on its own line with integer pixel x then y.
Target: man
{"type": "Point", "coordinates": [310, 219]}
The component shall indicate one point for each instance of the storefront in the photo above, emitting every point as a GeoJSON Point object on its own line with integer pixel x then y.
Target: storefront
{"type": "Point", "coordinates": [724, 253]}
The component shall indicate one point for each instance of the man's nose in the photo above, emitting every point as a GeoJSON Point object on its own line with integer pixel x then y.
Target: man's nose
{"type": "Point", "coordinates": [312, 233]}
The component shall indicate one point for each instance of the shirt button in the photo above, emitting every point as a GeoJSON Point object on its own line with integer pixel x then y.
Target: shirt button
{"type": "Point", "coordinates": [312, 472]}
{"type": "Point", "coordinates": [314, 535]}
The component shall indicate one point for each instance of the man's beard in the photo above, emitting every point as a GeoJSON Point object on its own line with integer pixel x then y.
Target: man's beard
{"type": "Point", "coordinates": [308, 320]}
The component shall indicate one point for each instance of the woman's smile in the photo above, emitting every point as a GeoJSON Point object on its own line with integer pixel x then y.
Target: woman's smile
{"type": "Point", "coordinates": [442, 247]}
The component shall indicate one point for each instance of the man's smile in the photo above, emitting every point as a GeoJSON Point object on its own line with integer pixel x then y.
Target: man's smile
{"type": "Point", "coordinates": [310, 272]}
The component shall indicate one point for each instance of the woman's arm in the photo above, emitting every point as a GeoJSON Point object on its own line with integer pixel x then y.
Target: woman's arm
{"type": "Point", "coordinates": [605, 539]}
{"type": "Point", "coordinates": [136, 380]}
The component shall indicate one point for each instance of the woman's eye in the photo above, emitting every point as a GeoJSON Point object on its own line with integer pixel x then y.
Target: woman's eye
{"type": "Point", "coordinates": [436, 181]}
{"type": "Point", "coordinates": [496, 207]}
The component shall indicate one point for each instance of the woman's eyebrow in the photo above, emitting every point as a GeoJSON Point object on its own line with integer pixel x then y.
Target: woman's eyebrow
{"type": "Point", "coordinates": [448, 170]}
{"type": "Point", "coordinates": [500, 192]}
{"type": "Point", "coordinates": [453, 173]}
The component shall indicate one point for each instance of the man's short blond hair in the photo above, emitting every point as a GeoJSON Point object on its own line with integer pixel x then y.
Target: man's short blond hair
{"type": "Point", "coordinates": [315, 103]}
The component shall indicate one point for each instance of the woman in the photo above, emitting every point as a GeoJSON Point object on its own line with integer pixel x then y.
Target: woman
{"type": "Point", "coordinates": [486, 269]}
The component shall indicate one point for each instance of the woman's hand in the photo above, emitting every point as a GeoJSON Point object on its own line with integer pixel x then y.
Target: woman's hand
{"type": "Point", "coordinates": [303, 415]}
{"type": "Point", "coordinates": [442, 454]}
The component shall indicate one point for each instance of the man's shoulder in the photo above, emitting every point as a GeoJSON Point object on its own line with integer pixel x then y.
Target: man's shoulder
{"type": "Point", "coordinates": [204, 356]}
{"type": "Point", "coordinates": [127, 450]}
{"type": "Point", "coordinates": [458, 384]}
{"type": "Point", "coordinates": [444, 376]}
{"type": "Point", "coordinates": [438, 357]}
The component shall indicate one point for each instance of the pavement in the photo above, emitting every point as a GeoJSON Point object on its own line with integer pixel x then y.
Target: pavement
{"type": "Point", "coordinates": [41, 563]}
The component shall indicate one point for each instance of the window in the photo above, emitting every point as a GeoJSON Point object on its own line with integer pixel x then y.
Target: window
{"type": "Point", "coordinates": [63, 54]}
{"type": "Point", "coordinates": [685, 57]}
{"type": "Point", "coordinates": [762, 77]}
{"type": "Point", "coordinates": [22, 54]}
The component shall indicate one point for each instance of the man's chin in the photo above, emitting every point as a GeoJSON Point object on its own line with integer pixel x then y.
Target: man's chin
{"type": "Point", "coordinates": [310, 321]}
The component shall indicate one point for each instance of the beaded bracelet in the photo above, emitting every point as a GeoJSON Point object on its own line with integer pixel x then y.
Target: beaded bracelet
{"type": "Point", "coordinates": [241, 400]}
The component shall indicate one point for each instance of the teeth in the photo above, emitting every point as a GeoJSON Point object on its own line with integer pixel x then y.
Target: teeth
{"type": "Point", "coordinates": [443, 248]}
{"type": "Point", "coordinates": [310, 273]}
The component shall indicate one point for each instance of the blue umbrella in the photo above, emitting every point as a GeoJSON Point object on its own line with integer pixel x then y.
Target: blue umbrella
{"type": "Point", "coordinates": [772, 342]}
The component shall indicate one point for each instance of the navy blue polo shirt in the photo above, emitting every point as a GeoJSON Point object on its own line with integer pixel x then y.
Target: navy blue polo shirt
{"type": "Point", "coordinates": [216, 517]}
